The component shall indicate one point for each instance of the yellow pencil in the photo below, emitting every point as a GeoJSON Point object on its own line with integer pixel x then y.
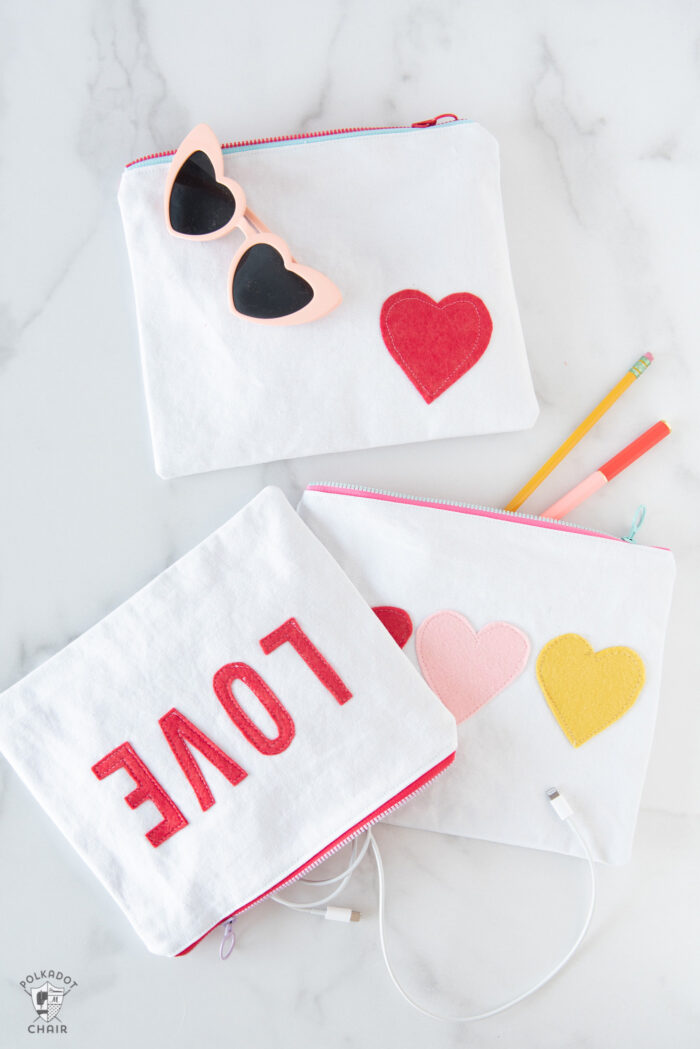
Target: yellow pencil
{"type": "Point", "coordinates": [635, 371]}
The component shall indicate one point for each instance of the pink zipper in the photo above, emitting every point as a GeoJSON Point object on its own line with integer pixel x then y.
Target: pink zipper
{"type": "Point", "coordinates": [338, 843]}
{"type": "Point", "coordinates": [308, 134]}
{"type": "Point", "coordinates": [461, 508]}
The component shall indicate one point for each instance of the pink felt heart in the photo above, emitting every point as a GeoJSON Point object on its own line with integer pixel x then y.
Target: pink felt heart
{"type": "Point", "coordinates": [465, 668]}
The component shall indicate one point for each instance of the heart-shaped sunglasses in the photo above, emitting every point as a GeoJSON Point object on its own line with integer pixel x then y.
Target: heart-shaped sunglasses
{"type": "Point", "coordinates": [265, 284]}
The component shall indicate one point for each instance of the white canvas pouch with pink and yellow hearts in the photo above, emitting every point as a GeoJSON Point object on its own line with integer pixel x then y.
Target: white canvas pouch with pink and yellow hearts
{"type": "Point", "coordinates": [544, 639]}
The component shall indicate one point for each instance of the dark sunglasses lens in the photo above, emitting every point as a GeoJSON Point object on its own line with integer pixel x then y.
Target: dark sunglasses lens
{"type": "Point", "coordinates": [263, 288]}
{"type": "Point", "coordinates": [198, 203]}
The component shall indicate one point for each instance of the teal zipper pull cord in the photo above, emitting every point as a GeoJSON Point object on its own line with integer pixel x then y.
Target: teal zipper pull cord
{"type": "Point", "coordinates": [637, 523]}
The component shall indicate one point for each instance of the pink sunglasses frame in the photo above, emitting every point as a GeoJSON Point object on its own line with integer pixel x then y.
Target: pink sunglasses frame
{"type": "Point", "coordinates": [326, 296]}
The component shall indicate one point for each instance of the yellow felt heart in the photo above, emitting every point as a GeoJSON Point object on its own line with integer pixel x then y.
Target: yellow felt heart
{"type": "Point", "coordinates": [588, 690]}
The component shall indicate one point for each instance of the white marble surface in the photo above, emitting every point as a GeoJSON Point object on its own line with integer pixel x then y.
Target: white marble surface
{"type": "Point", "coordinates": [595, 107]}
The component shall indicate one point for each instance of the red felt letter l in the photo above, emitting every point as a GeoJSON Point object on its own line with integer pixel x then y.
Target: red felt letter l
{"type": "Point", "coordinates": [291, 631]}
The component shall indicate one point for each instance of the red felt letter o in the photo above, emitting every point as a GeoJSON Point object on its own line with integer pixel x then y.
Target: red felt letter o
{"type": "Point", "coordinates": [223, 686]}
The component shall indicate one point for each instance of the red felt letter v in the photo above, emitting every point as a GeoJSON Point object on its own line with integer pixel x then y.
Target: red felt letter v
{"type": "Point", "coordinates": [181, 734]}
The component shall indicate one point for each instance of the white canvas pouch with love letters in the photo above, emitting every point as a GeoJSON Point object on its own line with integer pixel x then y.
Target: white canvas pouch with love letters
{"type": "Point", "coordinates": [248, 707]}
{"type": "Point", "coordinates": [408, 224]}
{"type": "Point", "coordinates": [544, 639]}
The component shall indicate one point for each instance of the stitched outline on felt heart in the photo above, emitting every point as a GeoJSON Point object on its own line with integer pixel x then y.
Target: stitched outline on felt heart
{"type": "Point", "coordinates": [466, 668]}
{"type": "Point", "coordinates": [587, 691]}
{"type": "Point", "coordinates": [435, 343]}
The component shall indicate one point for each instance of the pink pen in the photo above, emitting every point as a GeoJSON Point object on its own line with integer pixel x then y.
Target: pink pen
{"type": "Point", "coordinates": [607, 471]}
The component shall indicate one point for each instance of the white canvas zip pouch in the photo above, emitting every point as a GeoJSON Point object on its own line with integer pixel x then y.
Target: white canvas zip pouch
{"type": "Point", "coordinates": [406, 223]}
{"type": "Point", "coordinates": [250, 709]}
{"type": "Point", "coordinates": [544, 639]}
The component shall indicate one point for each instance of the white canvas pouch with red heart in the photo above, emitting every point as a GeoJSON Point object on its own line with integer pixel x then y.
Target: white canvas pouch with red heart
{"type": "Point", "coordinates": [249, 707]}
{"type": "Point", "coordinates": [426, 343]}
{"type": "Point", "coordinates": [544, 639]}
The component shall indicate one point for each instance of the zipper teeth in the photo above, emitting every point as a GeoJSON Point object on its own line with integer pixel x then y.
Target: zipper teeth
{"type": "Point", "coordinates": [151, 156]}
{"type": "Point", "coordinates": [276, 138]}
{"type": "Point", "coordinates": [507, 514]}
{"type": "Point", "coordinates": [330, 852]}
{"type": "Point", "coordinates": [298, 135]}
{"type": "Point", "coordinates": [311, 134]}
{"type": "Point", "coordinates": [343, 843]}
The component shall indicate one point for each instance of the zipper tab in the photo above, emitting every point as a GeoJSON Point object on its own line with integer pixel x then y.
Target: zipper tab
{"type": "Point", "coordinates": [228, 940]}
{"type": "Point", "coordinates": [637, 522]}
{"type": "Point", "coordinates": [447, 118]}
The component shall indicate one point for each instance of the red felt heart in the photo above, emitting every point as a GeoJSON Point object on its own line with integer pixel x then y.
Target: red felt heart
{"type": "Point", "coordinates": [397, 621]}
{"type": "Point", "coordinates": [435, 343]}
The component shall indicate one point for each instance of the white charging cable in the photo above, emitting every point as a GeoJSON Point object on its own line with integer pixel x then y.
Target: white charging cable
{"type": "Point", "coordinates": [564, 811]}
{"type": "Point", "coordinates": [346, 914]}
{"type": "Point", "coordinates": [338, 914]}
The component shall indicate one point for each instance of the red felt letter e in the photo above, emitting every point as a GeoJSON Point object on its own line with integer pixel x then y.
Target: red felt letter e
{"type": "Point", "coordinates": [147, 789]}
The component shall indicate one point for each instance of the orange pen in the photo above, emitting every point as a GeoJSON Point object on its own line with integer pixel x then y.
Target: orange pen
{"type": "Point", "coordinates": [595, 481]}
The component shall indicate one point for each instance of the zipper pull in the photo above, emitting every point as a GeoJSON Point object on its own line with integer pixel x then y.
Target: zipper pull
{"type": "Point", "coordinates": [228, 940]}
{"type": "Point", "coordinates": [637, 523]}
{"type": "Point", "coordinates": [445, 117]}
